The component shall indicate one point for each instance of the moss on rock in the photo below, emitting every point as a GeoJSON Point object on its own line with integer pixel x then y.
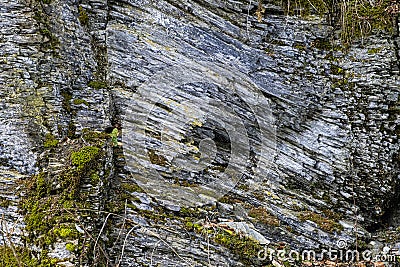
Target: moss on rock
{"type": "Point", "coordinates": [18, 256]}
{"type": "Point", "coordinates": [54, 202]}
{"type": "Point", "coordinates": [84, 156]}
{"type": "Point", "coordinates": [79, 101]}
{"type": "Point", "coordinates": [246, 248]}
{"type": "Point", "coordinates": [355, 18]}
{"type": "Point", "coordinates": [97, 84]}
{"type": "Point", "coordinates": [83, 16]}
{"type": "Point", "coordinates": [263, 216]}
{"type": "Point", "coordinates": [326, 224]}
{"type": "Point", "coordinates": [50, 141]}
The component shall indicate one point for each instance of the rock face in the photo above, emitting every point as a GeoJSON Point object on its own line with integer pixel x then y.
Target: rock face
{"type": "Point", "coordinates": [224, 120]}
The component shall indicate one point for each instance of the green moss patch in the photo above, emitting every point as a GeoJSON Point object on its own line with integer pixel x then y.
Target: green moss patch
{"type": "Point", "coordinates": [85, 156]}
{"type": "Point", "coordinates": [355, 18]}
{"type": "Point", "coordinates": [54, 202]}
{"type": "Point", "coordinates": [94, 137]}
{"type": "Point", "coordinates": [53, 42]}
{"type": "Point", "coordinates": [50, 141]}
{"type": "Point", "coordinates": [131, 187]}
{"type": "Point", "coordinates": [70, 247]}
{"type": "Point", "coordinates": [18, 256]}
{"type": "Point", "coordinates": [65, 233]}
{"type": "Point", "coordinates": [375, 50]}
{"type": "Point", "coordinates": [11, 256]}
{"type": "Point", "coordinates": [263, 216]}
{"type": "Point", "coordinates": [97, 84]}
{"type": "Point", "coordinates": [66, 102]}
{"type": "Point", "coordinates": [83, 16]}
{"type": "Point", "coordinates": [156, 159]}
{"type": "Point", "coordinates": [326, 224]}
{"type": "Point", "coordinates": [229, 199]}
{"type": "Point", "coordinates": [4, 202]}
{"type": "Point", "coordinates": [246, 248]}
{"type": "Point", "coordinates": [81, 102]}
{"type": "Point", "coordinates": [322, 44]}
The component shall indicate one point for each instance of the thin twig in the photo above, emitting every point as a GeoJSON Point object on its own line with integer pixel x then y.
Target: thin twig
{"type": "Point", "coordinates": [123, 223]}
{"type": "Point", "coordinates": [168, 245]}
{"type": "Point", "coordinates": [91, 237]}
{"type": "Point", "coordinates": [101, 231]}
{"type": "Point", "coordinates": [6, 234]}
{"type": "Point", "coordinates": [124, 244]}
{"type": "Point", "coordinates": [208, 250]}
{"type": "Point", "coordinates": [152, 252]}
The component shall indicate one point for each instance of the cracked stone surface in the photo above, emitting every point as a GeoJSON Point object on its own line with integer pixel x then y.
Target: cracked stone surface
{"type": "Point", "coordinates": [219, 114]}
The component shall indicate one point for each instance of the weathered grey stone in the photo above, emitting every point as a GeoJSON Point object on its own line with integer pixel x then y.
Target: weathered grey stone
{"type": "Point", "coordinates": [211, 102]}
{"type": "Point", "coordinates": [248, 230]}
